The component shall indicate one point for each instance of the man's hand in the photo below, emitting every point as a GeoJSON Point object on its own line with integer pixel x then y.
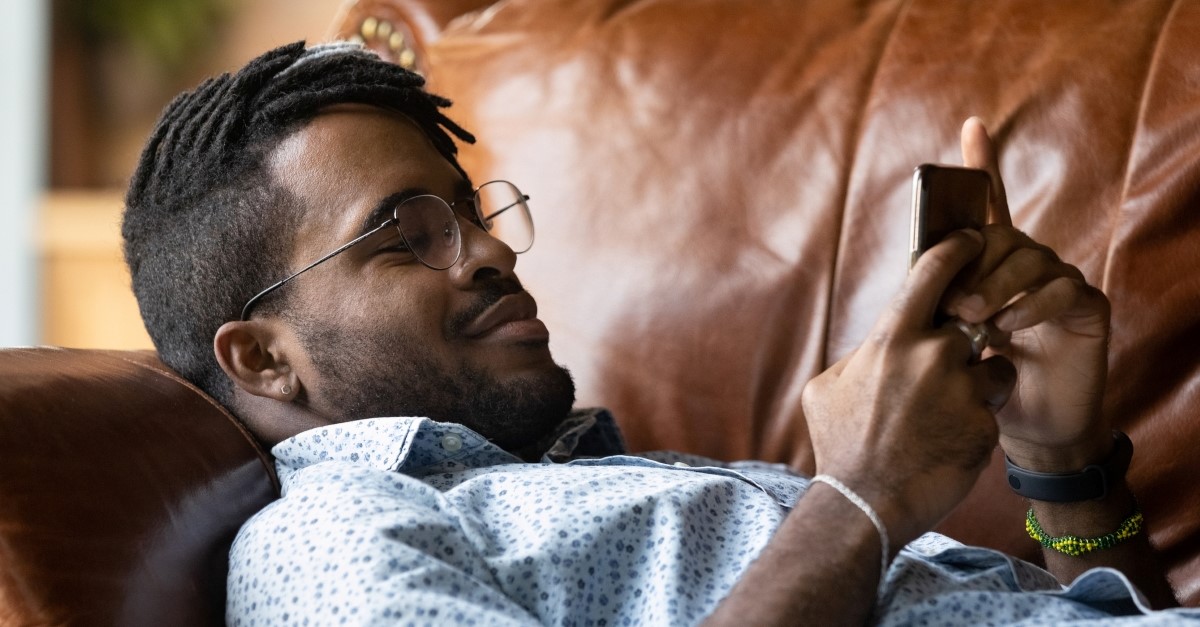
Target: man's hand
{"type": "Point", "coordinates": [907, 419]}
{"type": "Point", "coordinates": [1052, 326]}
{"type": "Point", "coordinates": [906, 422]}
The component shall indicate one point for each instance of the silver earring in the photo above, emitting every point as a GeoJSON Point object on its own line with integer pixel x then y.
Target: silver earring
{"type": "Point", "coordinates": [286, 389]}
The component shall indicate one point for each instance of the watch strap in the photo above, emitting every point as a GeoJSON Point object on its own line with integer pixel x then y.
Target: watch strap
{"type": "Point", "coordinates": [1091, 483]}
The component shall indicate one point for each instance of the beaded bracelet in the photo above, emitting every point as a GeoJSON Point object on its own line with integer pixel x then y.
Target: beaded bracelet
{"type": "Point", "coordinates": [1076, 546]}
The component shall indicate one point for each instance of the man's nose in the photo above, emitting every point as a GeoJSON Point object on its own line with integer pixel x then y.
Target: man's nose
{"type": "Point", "coordinates": [483, 256]}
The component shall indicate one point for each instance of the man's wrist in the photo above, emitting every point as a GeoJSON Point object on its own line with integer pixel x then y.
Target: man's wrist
{"type": "Point", "coordinates": [1091, 482]}
{"type": "Point", "coordinates": [1096, 447]}
{"type": "Point", "coordinates": [902, 521]}
{"type": "Point", "coordinates": [869, 512]}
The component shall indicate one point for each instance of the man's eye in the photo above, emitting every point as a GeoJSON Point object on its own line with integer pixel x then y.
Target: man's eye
{"type": "Point", "coordinates": [419, 240]}
{"type": "Point", "coordinates": [396, 246]}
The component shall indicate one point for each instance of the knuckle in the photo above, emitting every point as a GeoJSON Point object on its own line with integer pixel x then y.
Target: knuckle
{"type": "Point", "coordinates": [1049, 253]}
{"type": "Point", "coordinates": [1033, 258]}
{"type": "Point", "coordinates": [818, 385]}
{"type": "Point", "coordinates": [1063, 285]}
{"type": "Point", "coordinates": [815, 395]}
{"type": "Point", "coordinates": [997, 231]}
{"type": "Point", "coordinates": [1003, 234]}
{"type": "Point", "coordinates": [940, 260]}
{"type": "Point", "coordinates": [1102, 304]}
{"type": "Point", "coordinates": [810, 394]}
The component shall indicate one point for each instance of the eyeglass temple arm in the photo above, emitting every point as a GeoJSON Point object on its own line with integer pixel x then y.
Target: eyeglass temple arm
{"type": "Point", "coordinates": [524, 198]}
{"type": "Point", "coordinates": [259, 296]}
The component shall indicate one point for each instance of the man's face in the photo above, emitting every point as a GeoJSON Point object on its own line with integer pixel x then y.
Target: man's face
{"type": "Point", "coordinates": [382, 334]}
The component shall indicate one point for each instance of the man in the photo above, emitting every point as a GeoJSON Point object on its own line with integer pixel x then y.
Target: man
{"type": "Point", "coordinates": [305, 247]}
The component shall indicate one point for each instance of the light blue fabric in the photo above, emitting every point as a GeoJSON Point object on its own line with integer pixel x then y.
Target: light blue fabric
{"type": "Point", "coordinates": [409, 521]}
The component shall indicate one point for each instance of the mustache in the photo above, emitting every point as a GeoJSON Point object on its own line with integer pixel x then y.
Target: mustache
{"type": "Point", "coordinates": [489, 293]}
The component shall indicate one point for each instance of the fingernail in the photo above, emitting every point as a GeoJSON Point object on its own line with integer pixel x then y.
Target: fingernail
{"type": "Point", "coordinates": [1002, 321]}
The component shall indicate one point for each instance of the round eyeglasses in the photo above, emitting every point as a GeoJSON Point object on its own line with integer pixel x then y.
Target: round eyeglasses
{"type": "Point", "coordinates": [429, 228]}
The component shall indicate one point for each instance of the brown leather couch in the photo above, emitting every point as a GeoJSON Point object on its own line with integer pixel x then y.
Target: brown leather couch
{"type": "Point", "coordinates": [121, 488]}
{"type": "Point", "coordinates": [721, 195]}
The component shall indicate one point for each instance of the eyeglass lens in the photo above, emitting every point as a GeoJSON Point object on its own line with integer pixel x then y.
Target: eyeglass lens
{"type": "Point", "coordinates": [504, 213]}
{"type": "Point", "coordinates": [430, 230]}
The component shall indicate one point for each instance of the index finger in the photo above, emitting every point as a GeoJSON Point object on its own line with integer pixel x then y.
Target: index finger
{"type": "Point", "coordinates": [915, 305]}
{"type": "Point", "coordinates": [979, 152]}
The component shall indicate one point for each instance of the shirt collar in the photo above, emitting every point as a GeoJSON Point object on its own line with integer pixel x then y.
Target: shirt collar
{"type": "Point", "coordinates": [586, 433]}
{"type": "Point", "coordinates": [413, 445]}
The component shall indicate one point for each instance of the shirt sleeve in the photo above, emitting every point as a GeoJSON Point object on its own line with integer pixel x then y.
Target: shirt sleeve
{"type": "Point", "coordinates": [356, 546]}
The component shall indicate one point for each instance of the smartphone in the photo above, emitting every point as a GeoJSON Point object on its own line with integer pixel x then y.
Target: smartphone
{"type": "Point", "coordinates": [946, 199]}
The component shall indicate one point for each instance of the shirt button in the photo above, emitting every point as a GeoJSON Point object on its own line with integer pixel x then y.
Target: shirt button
{"type": "Point", "coordinates": [682, 465]}
{"type": "Point", "coordinates": [451, 442]}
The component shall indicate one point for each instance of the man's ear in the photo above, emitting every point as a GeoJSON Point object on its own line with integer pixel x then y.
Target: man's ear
{"type": "Point", "coordinates": [251, 353]}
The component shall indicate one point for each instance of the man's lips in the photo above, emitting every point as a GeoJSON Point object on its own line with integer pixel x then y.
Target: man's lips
{"type": "Point", "coordinates": [513, 317]}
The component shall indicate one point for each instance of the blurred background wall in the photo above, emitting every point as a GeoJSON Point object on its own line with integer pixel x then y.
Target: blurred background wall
{"type": "Point", "coordinates": [84, 82]}
{"type": "Point", "coordinates": [22, 156]}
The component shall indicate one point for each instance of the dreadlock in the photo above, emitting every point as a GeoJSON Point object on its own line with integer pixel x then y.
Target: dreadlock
{"type": "Point", "coordinates": [206, 226]}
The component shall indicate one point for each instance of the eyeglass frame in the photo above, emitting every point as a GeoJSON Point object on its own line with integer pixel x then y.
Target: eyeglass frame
{"type": "Point", "coordinates": [522, 198]}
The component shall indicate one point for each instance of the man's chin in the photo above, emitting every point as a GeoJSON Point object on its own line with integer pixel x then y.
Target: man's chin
{"type": "Point", "coordinates": [523, 410]}
{"type": "Point", "coordinates": [520, 359]}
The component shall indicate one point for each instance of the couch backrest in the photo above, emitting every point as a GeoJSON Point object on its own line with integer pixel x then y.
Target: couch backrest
{"type": "Point", "coordinates": [721, 195]}
{"type": "Point", "coordinates": [121, 488]}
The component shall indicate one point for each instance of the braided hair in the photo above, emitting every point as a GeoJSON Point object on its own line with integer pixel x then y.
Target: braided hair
{"type": "Point", "coordinates": [205, 225]}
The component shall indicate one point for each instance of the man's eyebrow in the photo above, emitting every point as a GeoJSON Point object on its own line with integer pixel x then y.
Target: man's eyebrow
{"type": "Point", "coordinates": [384, 209]}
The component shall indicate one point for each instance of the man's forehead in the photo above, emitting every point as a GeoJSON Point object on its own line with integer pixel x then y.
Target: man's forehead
{"type": "Point", "coordinates": [348, 158]}
{"type": "Point", "coordinates": [349, 141]}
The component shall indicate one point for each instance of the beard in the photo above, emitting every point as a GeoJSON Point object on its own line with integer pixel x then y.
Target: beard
{"type": "Point", "coordinates": [367, 377]}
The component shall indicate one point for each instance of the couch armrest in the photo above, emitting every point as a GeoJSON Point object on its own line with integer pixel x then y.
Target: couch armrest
{"type": "Point", "coordinates": [121, 488]}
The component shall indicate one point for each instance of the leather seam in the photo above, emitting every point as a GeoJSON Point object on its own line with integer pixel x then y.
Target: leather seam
{"type": "Point", "coordinates": [857, 132]}
{"type": "Point", "coordinates": [1152, 68]}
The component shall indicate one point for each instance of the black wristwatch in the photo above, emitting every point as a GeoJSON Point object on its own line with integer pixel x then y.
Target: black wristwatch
{"type": "Point", "coordinates": [1091, 483]}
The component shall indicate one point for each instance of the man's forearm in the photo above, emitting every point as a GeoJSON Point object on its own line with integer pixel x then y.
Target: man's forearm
{"type": "Point", "coordinates": [1091, 519]}
{"type": "Point", "coordinates": [821, 568]}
